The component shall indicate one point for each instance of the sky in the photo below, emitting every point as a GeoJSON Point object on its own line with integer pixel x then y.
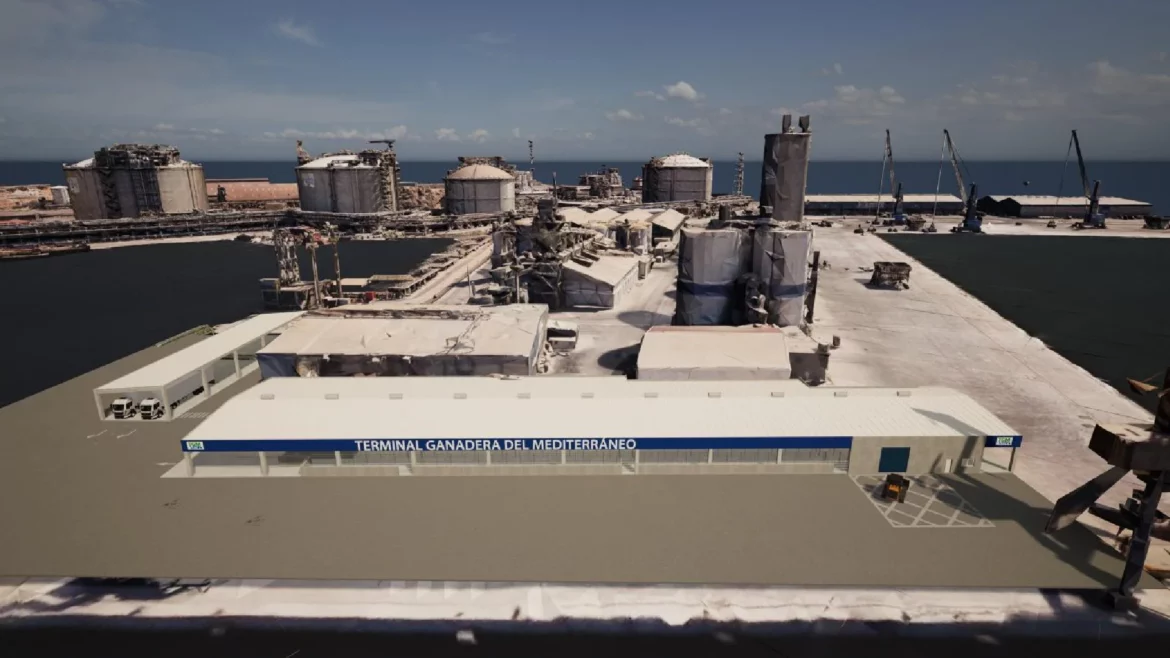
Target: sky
{"type": "Point", "coordinates": [584, 80]}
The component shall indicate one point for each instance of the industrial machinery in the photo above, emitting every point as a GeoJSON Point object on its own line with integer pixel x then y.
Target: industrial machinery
{"type": "Point", "coordinates": [896, 275]}
{"type": "Point", "coordinates": [1094, 218]}
{"type": "Point", "coordinates": [1143, 450]}
{"type": "Point", "coordinates": [899, 214]}
{"type": "Point", "coordinates": [972, 221]}
{"type": "Point", "coordinates": [894, 488]}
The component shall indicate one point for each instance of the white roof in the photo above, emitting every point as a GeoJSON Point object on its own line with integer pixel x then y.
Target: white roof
{"type": "Point", "coordinates": [497, 386]}
{"type": "Point", "coordinates": [1042, 200]}
{"type": "Point", "coordinates": [504, 330]}
{"type": "Point", "coordinates": [89, 162]}
{"type": "Point", "coordinates": [873, 198]}
{"type": "Point", "coordinates": [608, 269]}
{"type": "Point", "coordinates": [669, 219]}
{"type": "Point", "coordinates": [636, 215]}
{"type": "Point", "coordinates": [480, 172]}
{"type": "Point", "coordinates": [325, 162]}
{"type": "Point", "coordinates": [714, 353]}
{"type": "Point", "coordinates": [603, 215]}
{"type": "Point", "coordinates": [813, 412]}
{"type": "Point", "coordinates": [179, 364]}
{"type": "Point", "coordinates": [680, 160]}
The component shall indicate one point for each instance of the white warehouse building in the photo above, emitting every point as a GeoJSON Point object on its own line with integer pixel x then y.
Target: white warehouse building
{"type": "Point", "coordinates": [569, 425]}
{"type": "Point", "coordinates": [186, 378]}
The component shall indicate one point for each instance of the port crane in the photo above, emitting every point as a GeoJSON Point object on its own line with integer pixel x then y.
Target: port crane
{"type": "Point", "coordinates": [899, 214]}
{"type": "Point", "coordinates": [972, 221]}
{"type": "Point", "coordinates": [1137, 448]}
{"type": "Point", "coordinates": [1094, 218]}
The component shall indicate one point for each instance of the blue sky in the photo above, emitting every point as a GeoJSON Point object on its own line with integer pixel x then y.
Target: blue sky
{"type": "Point", "coordinates": [585, 80]}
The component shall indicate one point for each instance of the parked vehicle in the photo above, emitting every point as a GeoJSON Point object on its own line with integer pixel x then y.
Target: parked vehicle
{"type": "Point", "coordinates": [124, 408]}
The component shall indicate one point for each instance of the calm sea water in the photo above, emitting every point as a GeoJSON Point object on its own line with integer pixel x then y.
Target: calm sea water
{"type": "Point", "coordinates": [1145, 181]}
{"type": "Point", "coordinates": [66, 315]}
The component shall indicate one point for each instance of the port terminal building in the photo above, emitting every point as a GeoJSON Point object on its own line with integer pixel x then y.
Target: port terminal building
{"type": "Point", "coordinates": [577, 425]}
{"type": "Point", "coordinates": [870, 204]}
{"type": "Point", "coordinates": [1035, 206]}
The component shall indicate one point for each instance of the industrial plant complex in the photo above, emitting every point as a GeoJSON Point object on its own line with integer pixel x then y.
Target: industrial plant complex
{"type": "Point", "coordinates": [594, 385]}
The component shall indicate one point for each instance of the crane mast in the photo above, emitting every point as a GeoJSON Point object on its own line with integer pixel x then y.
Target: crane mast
{"type": "Point", "coordinates": [972, 222]}
{"type": "Point", "coordinates": [895, 186]}
{"type": "Point", "coordinates": [1093, 216]}
{"type": "Point", "coordinates": [950, 147]}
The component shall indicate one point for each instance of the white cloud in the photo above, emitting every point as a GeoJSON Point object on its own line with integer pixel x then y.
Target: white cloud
{"type": "Point", "coordinates": [889, 95]}
{"type": "Point", "coordinates": [516, 133]}
{"type": "Point", "coordinates": [586, 136]}
{"type": "Point", "coordinates": [650, 94]}
{"type": "Point", "coordinates": [446, 135]}
{"type": "Point", "coordinates": [288, 29]}
{"type": "Point", "coordinates": [623, 115]}
{"type": "Point", "coordinates": [683, 90]}
{"type": "Point", "coordinates": [724, 112]}
{"type": "Point", "coordinates": [163, 127]}
{"type": "Point", "coordinates": [1128, 87]}
{"type": "Point", "coordinates": [1012, 92]}
{"type": "Point", "coordinates": [479, 136]}
{"type": "Point", "coordinates": [835, 69]}
{"type": "Point", "coordinates": [1012, 115]}
{"type": "Point", "coordinates": [855, 105]}
{"type": "Point", "coordinates": [682, 123]}
{"type": "Point", "coordinates": [838, 68]}
{"type": "Point", "coordinates": [847, 93]}
{"type": "Point", "coordinates": [397, 132]}
{"type": "Point", "coordinates": [492, 39]}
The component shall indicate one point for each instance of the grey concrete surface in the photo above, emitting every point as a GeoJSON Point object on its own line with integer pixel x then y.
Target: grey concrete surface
{"type": "Point", "coordinates": [935, 334]}
{"type": "Point", "coordinates": [84, 497]}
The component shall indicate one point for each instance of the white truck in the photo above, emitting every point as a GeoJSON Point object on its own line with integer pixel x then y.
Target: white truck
{"type": "Point", "coordinates": [151, 408]}
{"type": "Point", "coordinates": [123, 408]}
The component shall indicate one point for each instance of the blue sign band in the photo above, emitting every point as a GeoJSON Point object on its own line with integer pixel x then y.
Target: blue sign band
{"type": "Point", "coordinates": [466, 445]}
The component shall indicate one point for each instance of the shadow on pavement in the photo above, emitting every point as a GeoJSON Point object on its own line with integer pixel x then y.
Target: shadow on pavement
{"type": "Point", "coordinates": [312, 638]}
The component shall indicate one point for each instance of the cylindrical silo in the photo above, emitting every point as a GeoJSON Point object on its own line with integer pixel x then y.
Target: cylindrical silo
{"type": "Point", "coordinates": [181, 189]}
{"type": "Point", "coordinates": [710, 264]}
{"type": "Point", "coordinates": [479, 188]}
{"type": "Point", "coordinates": [131, 180]}
{"type": "Point", "coordinates": [363, 182]}
{"type": "Point", "coordinates": [678, 177]}
{"type": "Point", "coordinates": [785, 172]}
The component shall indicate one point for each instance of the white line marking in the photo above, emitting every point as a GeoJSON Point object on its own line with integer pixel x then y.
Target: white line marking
{"type": "Point", "coordinates": [126, 434]}
{"type": "Point", "coordinates": [94, 436]}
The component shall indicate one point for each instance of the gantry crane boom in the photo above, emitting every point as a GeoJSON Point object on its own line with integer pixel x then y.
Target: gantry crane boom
{"type": "Point", "coordinates": [955, 164]}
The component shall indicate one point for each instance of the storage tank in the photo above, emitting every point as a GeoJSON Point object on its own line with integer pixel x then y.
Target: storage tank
{"type": "Point", "coordinates": [344, 182]}
{"type": "Point", "coordinates": [711, 263]}
{"type": "Point", "coordinates": [132, 180]}
{"type": "Point", "coordinates": [678, 177]}
{"type": "Point", "coordinates": [784, 176]}
{"type": "Point", "coordinates": [479, 188]}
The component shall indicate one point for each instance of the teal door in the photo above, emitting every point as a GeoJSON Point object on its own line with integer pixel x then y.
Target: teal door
{"type": "Point", "coordinates": [894, 460]}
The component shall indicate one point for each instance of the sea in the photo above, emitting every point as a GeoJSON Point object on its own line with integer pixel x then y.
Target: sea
{"type": "Point", "coordinates": [66, 315]}
{"type": "Point", "coordinates": [1091, 300]}
{"type": "Point", "coordinates": [1144, 181]}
